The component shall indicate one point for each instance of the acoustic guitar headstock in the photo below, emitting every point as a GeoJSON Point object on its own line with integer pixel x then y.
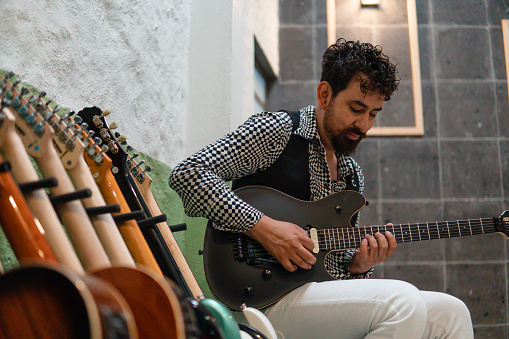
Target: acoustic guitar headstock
{"type": "Point", "coordinates": [30, 114]}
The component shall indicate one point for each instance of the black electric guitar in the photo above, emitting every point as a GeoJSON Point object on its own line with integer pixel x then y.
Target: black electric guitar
{"type": "Point", "coordinates": [240, 271]}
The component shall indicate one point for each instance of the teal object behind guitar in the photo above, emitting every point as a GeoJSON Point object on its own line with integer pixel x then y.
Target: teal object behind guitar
{"type": "Point", "coordinates": [239, 270]}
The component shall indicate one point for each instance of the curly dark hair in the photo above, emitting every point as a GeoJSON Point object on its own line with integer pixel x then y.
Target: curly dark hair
{"type": "Point", "coordinates": [343, 59]}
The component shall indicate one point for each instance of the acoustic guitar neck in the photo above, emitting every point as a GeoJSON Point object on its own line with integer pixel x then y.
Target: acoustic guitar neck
{"type": "Point", "coordinates": [37, 136]}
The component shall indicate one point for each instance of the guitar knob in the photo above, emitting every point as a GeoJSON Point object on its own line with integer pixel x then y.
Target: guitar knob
{"type": "Point", "coordinates": [267, 274]}
{"type": "Point", "coordinates": [338, 208]}
{"type": "Point", "coordinates": [249, 291]}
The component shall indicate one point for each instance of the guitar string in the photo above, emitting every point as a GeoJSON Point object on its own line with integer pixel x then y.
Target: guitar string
{"type": "Point", "coordinates": [433, 230]}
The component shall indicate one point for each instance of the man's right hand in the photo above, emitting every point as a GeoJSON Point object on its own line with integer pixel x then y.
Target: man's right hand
{"type": "Point", "coordinates": [287, 242]}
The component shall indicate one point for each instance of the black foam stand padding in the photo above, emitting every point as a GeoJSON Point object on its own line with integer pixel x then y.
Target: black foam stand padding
{"type": "Point", "coordinates": [63, 198]}
{"type": "Point", "coordinates": [28, 187]}
{"type": "Point", "coordinates": [106, 209]}
{"type": "Point", "coordinates": [151, 221]}
{"type": "Point", "coordinates": [129, 216]}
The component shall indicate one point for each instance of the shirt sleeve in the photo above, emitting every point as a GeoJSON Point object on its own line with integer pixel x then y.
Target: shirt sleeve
{"type": "Point", "coordinates": [200, 180]}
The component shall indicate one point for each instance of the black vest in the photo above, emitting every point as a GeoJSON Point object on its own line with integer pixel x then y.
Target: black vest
{"type": "Point", "coordinates": [290, 172]}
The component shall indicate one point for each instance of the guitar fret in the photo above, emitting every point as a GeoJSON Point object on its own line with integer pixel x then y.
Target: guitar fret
{"type": "Point", "coordinates": [448, 231]}
{"type": "Point", "coordinates": [482, 226]}
{"type": "Point", "coordinates": [459, 228]}
{"type": "Point", "coordinates": [469, 225]}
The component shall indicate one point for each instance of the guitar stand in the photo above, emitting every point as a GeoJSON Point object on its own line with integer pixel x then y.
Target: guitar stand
{"type": "Point", "coordinates": [28, 187]}
{"type": "Point", "coordinates": [93, 211]}
{"type": "Point", "coordinates": [63, 198]}
{"type": "Point", "coordinates": [5, 167]}
{"type": "Point", "coordinates": [178, 227]}
{"type": "Point", "coordinates": [118, 218]}
{"type": "Point", "coordinates": [151, 221]}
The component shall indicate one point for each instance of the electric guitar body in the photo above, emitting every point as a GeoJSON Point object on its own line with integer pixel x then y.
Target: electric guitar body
{"type": "Point", "coordinates": [240, 271]}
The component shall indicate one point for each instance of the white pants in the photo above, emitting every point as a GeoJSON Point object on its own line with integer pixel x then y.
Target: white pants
{"type": "Point", "coordinates": [369, 308]}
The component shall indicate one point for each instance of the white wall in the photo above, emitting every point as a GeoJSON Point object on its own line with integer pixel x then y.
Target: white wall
{"type": "Point", "coordinates": [126, 56]}
{"type": "Point", "coordinates": [221, 65]}
{"type": "Point", "coordinates": [176, 74]}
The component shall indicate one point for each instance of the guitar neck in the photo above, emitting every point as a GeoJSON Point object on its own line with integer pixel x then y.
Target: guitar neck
{"type": "Point", "coordinates": [25, 238]}
{"type": "Point", "coordinates": [73, 214]}
{"type": "Point", "coordinates": [129, 229]}
{"type": "Point", "coordinates": [169, 239]}
{"type": "Point", "coordinates": [348, 238]}
{"type": "Point", "coordinates": [13, 151]}
{"type": "Point", "coordinates": [104, 224]}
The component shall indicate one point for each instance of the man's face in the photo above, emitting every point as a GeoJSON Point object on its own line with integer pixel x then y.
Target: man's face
{"type": "Point", "coordinates": [350, 115]}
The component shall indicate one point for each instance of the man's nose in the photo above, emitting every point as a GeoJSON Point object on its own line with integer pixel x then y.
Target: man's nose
{"type": "Point", "coordinates": [362, 123]}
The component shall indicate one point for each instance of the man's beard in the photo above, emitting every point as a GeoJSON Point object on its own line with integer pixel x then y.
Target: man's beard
{"type": "Point", "coordinates": [339, 139]}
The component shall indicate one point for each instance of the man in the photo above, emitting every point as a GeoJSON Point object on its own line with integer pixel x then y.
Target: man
{"type": "Point", "coordinates": [307, 154]}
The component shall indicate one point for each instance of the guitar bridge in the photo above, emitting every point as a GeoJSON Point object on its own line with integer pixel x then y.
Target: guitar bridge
{"type": "Point", "coordinates": [250, 251]}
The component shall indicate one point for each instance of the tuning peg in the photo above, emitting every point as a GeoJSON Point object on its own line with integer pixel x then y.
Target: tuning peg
{"type": "Point", "coordinates": [56, 109]}
{"type": "Point", "coordinates": [91, 148]}
{"type": "Point", "coordinates": [32, 119]}
{"type": "Point", "coordinates": [63, 133]}
{"type": "Point", "coordinates": [39, 128]}
{"type": "Point", "coordinates": [134, 169]}
{"type": "Point", "coordinates": [141, 175]}
{"type": "Point", "coordinates": [16, 102]}
{"type": "Point", "coordinates": [105, 113]}
{"type": "Point", "coordinates": [79, 120]}
{"type": "Point", "coordinates": [113, 125]}
{"type": "Point", "coordinates": [121, 139]}
{"type": "Point", "coordinates": [70, 144]}
{"type": "Point", "coordinates": [99, 157]}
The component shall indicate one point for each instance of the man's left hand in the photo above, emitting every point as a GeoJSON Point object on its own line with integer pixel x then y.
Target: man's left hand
{"type": "Point", "coordinates": [373, 249]}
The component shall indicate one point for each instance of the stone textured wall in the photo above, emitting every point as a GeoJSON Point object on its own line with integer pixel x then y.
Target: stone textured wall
{"type": "Point", "coordinates": [126, 56]}
{"type": "Point", "coordinates": [459, 169]}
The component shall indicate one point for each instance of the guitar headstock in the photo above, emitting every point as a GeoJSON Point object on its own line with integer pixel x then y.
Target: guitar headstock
{"type": "Point", "coordinates": [95, 118]}
{"type": "Point", "coordinates": [121, 160]}
{"type": "Point", "coordinates": [28, 117]}
{"type": "Point", "coordinates": [502, 224]}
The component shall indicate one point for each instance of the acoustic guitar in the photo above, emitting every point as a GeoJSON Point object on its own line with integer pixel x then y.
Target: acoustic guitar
{"type": "Point", "coordinates": [37, 136]}
{"type": "Point", "coordinates": [17, 221]}
{"type": "Point", "coordinates": [100, 167]}
{"type": "Point", "coordinates": [157, 310]}
{"type": "Point", "coordinates": [68, 143]}
{"type": "Point", "coordinates": [33, 295]}
{"type": "Point", "coordinates": [240, 271]}
{"type": "Point", "coordinates": [41, 289]}
{"type": "Point", "coordinates": [13, 151]}
{"type": "Point", "coordinates": [125, 168]}
{"type": "Point", "coordinates": [94, 118]}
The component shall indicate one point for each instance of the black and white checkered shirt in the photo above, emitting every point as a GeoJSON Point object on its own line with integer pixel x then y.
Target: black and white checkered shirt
{"type": "Point", "coordinates": [200, 180]}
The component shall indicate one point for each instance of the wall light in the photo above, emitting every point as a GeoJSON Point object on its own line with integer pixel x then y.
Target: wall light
{"type": "Point", "coordinates": [370, 2]}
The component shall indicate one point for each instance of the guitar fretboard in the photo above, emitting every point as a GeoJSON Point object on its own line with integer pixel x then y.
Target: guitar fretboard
{"type": "Point", "coordinates": [347, 237]}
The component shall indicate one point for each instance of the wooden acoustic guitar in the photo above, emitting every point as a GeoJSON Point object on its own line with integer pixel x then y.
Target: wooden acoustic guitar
{"type": "Point", "coordinates": [37, 136]}
{"type": "Point", "coordinates": [125, 168]}
{"type": "Point", "coordinates": [100, 167]}
{"type": "Point", "coordinates": [240, 271]}
{"type": "Point", "coordinates": [13, 151]}
{"type": "Point", "coordinates": [97, 123]}
{"type": "Point", "coordinates": [68, 143]}
{"type": "Point", "coordinates": [39, 291]}
{"type": "Point", "coordinates": [23, 234]}
{"type": "Point", "coordinates": [156, 308]}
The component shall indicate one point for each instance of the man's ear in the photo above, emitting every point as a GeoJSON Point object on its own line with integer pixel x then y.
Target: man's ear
{"type": "Point", "coordinates": [323, 94]}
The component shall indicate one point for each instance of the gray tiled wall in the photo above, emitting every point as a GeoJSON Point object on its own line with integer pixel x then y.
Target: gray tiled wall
{"type": "Point", "coordinates": [459, 169]}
